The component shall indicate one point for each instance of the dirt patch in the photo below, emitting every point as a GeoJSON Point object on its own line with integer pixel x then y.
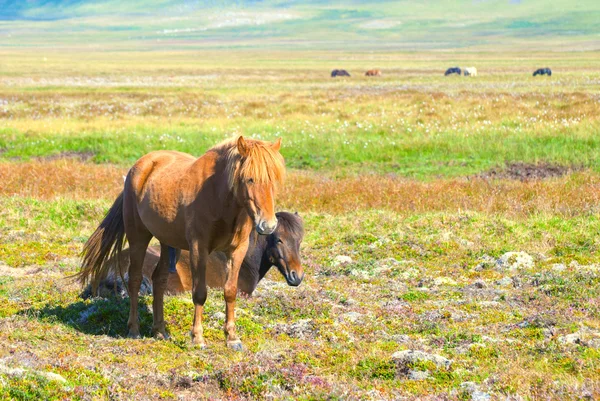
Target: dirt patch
{"type": "Point", "coordinates": [528, 171]}
{"type": "Point", "coordinates": [81, 156]}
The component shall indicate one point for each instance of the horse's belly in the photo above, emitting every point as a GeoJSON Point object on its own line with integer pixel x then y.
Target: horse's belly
{"type": "Point", "coordinates": [168, 230]}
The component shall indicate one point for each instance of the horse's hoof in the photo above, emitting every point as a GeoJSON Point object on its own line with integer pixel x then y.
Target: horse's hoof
{"type": "Point", "coordinates": [161, 335]}
{"type": "Point", "coordinates": [235, 345]}
{"type": "Point", "coordinates": [198, 342]}
{"type": "Point", "coordinates": [134, 336]}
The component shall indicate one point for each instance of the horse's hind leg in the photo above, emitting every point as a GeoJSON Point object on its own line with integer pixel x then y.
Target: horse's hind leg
{"type": "Point", "coordinates": [137, 253]}
{"type": "Point", "coordinates": [138, 237]}
{"type": "Point", "coordinates": [159, 285]}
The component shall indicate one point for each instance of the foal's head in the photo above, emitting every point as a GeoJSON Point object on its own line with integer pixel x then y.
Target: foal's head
{"type": "Point", "coordinates": [256, 169]}
{"type": "Point", "coordinates": [283, 249]}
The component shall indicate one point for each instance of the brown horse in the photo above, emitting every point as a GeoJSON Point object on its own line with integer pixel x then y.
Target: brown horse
{"type": "Point", "coordinates": [202, 205]}
{"type": "Point", "coordinates": [373, 73]}
{"type": "Point", "coordinates": [280, 249]}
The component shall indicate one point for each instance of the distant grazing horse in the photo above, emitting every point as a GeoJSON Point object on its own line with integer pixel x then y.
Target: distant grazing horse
{"type": "Point", "coordinates": [373, 73]}
{"type": "Point", "coordinates": [543, 71]}
{"type": "Point", "coordinates": [453, 70]}
{"type": "Point", "coordinates": [339, 73]}
{"type": "Point", "coordinates": [202, 205]}
{"type": "Point", "coordinates": [281, 249]}
{"type": "Point", "coordinates": [470, 72]}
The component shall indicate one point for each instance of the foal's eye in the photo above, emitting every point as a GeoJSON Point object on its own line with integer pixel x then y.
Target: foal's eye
{"type": "Point", "coordinates": [279, 241]}
{"type": "Point", "coordinates": [250, 181]}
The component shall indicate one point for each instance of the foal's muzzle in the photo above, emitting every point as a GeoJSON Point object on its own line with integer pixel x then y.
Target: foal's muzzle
{"type": "Point", "coordinates": [265, 228]}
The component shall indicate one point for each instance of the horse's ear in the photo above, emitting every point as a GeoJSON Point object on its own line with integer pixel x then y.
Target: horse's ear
{"type": "Point", "coordinates": [277, 145]}
{"type": "Point", "coordinates": [242, 147]}
{"type": "Point", "coordinates": [296, 213]}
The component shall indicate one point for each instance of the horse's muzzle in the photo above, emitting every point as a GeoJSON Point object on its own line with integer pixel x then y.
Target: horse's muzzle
{"type": "Point", "coordinates": [294, 279]}
{"type": "Point", "coordinates": [265, 228]}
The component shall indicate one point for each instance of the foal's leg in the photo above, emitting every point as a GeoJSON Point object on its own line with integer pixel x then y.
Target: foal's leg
{"type": "Point", "coordinates": [159, 285]}
{"type": "Point", "coordinates": [198, 258]}
{"type": "Point", "coordinates": [137, 252]}
{"type": "Point", "coordinates": [234, 263]}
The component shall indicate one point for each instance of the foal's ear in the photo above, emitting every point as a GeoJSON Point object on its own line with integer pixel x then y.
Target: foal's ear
{"type": "Point", "coordinates": [276, 145]}
{"type": "Point", "coordinates": [242, 146]}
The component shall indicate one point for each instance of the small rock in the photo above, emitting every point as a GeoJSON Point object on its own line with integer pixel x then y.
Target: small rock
{"type": "Point", "coordinates": [409, 273]}
{"type": "Point", "coordinates": [407, 357]}
{"type": "Point", "coordinates": [352, 316]}
{"type": "Point", "coordinates": [514, 261]}
{"type": "Point", "coordinates": [504, 281]}
{"type": "Point", "coordinates": [302, 329]}
{"type": "Point", "coordinates": [418, 374]}
{"type": "Point", "coordinates": [594, 343]}
{"type": "Point", "coordinates": [342, 260]}
{"type": "Point", "coordinates": [444, 281]}
{"type": "Point", "coordinates": [20, 372]}
{"type": "Point", "coordinates": [476, 394]}
{"type": "Point", "coordinates": [400, 338]}
{"type": "Point", "coordinates": [349, 302]}
{"type": "Point", "coordinates": [11, 371]}
{"type": "Point", "coordinates": [360, 274]}
{"type": "Point", "coordinates": [584, 336]}
{"type": "Point", "coordinates": [559, 267]}
{"type": "Point", "coordinates": [479, 284]}
{"type": "Point", "coordinates": [53, 376]}
{"type": "Point", "coordinates": [574, 338]}
{"type": "Point", "coordinates": [219, 316]}
{"type": "Point", "coordinates": [486, 261]}
{"type": "Point", "coordinates": [85, 314]}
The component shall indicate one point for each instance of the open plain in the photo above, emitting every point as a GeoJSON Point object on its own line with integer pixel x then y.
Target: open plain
{"type": "Point", "coordinates": [456, 216]}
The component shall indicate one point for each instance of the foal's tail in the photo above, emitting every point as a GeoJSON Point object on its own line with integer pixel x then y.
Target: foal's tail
{"type": "Point", "coordinates": [105, 243]}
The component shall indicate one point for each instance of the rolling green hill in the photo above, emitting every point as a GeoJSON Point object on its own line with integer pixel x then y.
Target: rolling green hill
{"type": "Point", "coordinates": [402, 25]}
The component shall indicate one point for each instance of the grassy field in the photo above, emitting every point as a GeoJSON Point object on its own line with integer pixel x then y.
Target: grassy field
{"type": "Point", "coordinates": [427, 183]}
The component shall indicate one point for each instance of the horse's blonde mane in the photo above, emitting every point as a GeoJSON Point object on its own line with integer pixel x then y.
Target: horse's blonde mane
{"type": "Point", "coordinates": [263, 164]}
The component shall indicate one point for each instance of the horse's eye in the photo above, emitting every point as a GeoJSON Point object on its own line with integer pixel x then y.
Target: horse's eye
{"type": "Point", "coordinates": [251, 181]}
{"type": "Point", "coordinates": [279, 241]}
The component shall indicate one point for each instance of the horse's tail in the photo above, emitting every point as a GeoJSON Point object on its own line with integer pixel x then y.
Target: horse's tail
{"type": "Point", "coordinates": [105, 243]}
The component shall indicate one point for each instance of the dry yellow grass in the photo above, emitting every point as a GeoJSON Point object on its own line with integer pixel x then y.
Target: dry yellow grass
{"type": "Point", "coordinates": [60, 178]}
{"type": "Point", "coordinates": [308, 191]}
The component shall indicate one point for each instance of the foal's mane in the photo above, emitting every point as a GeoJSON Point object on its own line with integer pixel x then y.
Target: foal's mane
{"type": "Point", "coordinates": [292, 223]}
{"type": "Point", "coordinates": [263, 164]}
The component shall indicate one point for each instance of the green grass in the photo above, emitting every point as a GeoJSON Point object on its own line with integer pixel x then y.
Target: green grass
{"type": "Point", "coordinates": [423, 274]}
{"type": "Point", "coordinates": [47, 313]}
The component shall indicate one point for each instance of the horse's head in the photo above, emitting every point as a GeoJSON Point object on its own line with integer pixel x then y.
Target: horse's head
{"type": "Point", "coordinates": [283, 247]}
{"type": "Point", "coordinates": [257, 173]}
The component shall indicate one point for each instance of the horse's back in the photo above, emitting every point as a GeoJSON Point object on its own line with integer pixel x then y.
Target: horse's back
{"type": "Point", "coordinates": [157, 164]}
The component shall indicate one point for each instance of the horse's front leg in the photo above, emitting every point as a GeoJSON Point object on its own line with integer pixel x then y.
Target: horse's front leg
{"type": "Point", "coordinates": [234, 263]}
{"type": "Point", "coordinates": [198, 257]}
